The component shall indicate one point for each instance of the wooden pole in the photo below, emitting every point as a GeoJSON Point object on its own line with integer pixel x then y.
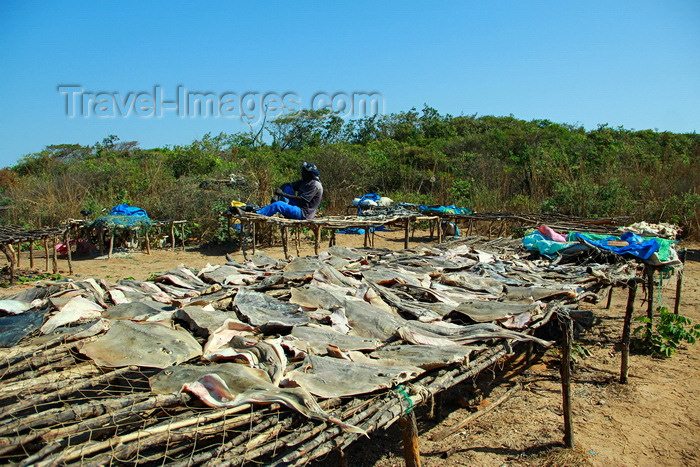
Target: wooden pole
{"type": "Point", "coordinates": [46, 253]}
{"type": "Point", "coordinates": [565, 370]}
{"type": "Point", "coordinates": [610, 294]}
{"type": "Point", "coordinates": [172, 235]}
{"type": "Point", "coordinates": [679, 280]}
{"type": "Point", "coordinates": [31, 254]}
{"type": "Point", "coordinates": [111, 244]}
{"type": "Point", "coordinates": [439, 231]}
{"type": "Point", "coordinates": [317, 238]}
{"type": "Point", "coordinates": [409, 435]}
{"type": "Point", "coordinates": [650, 290]}
{"type": "Point", "coordinates": [101, 237]}
{"type": "Point", "coordinates": [284, 234]}
{"type": "Point", "coordinates": [406, 234]}
{"type": "Point", "coordinates": [255, 235]}
{"type": "Point", "coordinates": [54, 257]}
{"type": "Point", "coordinates": [19, 249]}
{"type": "Point", "coordinates": [366, 237]}
{"type": "Point", "coordinates": [66, 239]}
{"type": "Point", "coordinates": [297, 240]}
{"type": "Point", "coordinates": [11, 259]}
{"type": "Point", "coordinates": [148, 242]}
{"type": "Point", "coordinates": [626, 331]}
{"type": "Point", "coordinates": [182, 233]}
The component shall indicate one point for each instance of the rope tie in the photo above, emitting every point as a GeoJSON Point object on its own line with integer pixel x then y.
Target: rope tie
{"type": "Point", "coordinates": [400, 390]}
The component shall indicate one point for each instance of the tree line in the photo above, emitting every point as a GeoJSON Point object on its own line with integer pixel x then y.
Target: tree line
{"type": "Point", "coordinates": [484, 163]}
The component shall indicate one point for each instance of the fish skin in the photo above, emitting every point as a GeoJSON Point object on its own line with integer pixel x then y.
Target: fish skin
{"type": "Point", "coordinates": [261, 309]}
{"type": "Point", "coordinates": [149, 345]}
{"type": "Point", "coordinates": [329, 377]}
{"type": "Point", "coordinates": [75, 309]}
{"type": "Point", "coordinates": [232, 385]}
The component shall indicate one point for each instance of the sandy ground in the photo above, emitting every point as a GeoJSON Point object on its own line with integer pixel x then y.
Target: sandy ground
{"type": "Point", "coordinates": [654, 420]}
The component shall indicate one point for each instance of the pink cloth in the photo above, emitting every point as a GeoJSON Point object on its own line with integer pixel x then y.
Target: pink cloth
{"type": "Point", "coordinates": [549, 232]}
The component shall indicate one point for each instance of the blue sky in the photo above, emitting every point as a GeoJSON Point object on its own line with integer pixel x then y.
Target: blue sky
{"type": "Point", "coordinates": [625, 63]}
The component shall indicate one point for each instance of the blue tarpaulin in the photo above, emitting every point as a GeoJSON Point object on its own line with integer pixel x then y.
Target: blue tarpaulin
{"type": "Point", "coordinates": [126, 210]}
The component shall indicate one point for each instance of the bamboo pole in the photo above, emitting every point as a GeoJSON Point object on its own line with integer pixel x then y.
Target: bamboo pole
{"type": "Point", "coordinates": [565, 371]}
{"type": "Point", "coordinates": [409, 435]}
{"type": "Point", "coordinates": [626, 331]}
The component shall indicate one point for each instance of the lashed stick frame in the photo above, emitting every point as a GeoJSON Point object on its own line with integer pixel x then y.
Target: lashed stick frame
{"type": "Point", "coordinates": [498, 222]}
{"type": "Point", "coordinates": [171, 227]}
{"type": "Point", "coordinates": [251, 223]}
{"type": "Point", "coordinates": [11, 236]}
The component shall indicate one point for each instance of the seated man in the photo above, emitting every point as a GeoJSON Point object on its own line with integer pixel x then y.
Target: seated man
{"type": "Point", "coordinates": [299, 199]}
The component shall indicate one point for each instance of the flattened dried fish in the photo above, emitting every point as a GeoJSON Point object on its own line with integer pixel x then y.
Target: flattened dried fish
{"type": "Point", "coordinates": [231, 385]}
{"type": "Point", "coordinates": [142, 344]}
{"type": "Point", "coordinates": [261, 309]}
{"type": "Point", "coordinates": [318, 338]}
{"type": "Point", "coordinates": [15, 327]}
{"type": "Point", "coordinates": [426, 357]}
{"type": "Point", "coordinates": [75, 309]}
{"type": "Point", "coordinates": [333, 377]}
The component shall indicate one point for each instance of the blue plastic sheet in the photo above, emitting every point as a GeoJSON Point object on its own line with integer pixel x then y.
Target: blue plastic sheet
{"type": "Point", "coordinates": [126, 210]}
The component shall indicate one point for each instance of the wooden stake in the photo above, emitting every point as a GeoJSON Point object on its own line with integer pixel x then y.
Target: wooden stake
{"type": "Point", "coordinates": [406, 234]}
{"type": "Point", "coordinates": [679, 280]}
{"type": "Point", "coordinates": [650, 302]}
{"type": "Point", "coordinates": [284, 234]}
{"type": "Point", "coordinates": [46, 253]}
{"type": "Point", "coordinates": [66, 239]}
{"type": "Point", "coordinates": [317, 238]}
{"type": "Point", "coordinates": [565, 370]}
{"type": "Point", "coordinates": [409, 435]}
{"type": "Point", "coordinates": [54, 257]}
{"type": "Point", "coordinates": [610, 294]}
{"type": "Point", "coordinates": [297, 240]}
{"type": "Point", "coordinates": [31, 254]}
{"type": "Point", "coordinates": [624, 366]}
{"type": "Point", "coordinates": [111, 244]}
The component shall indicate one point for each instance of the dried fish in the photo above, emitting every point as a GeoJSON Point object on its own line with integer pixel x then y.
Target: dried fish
{"type": "Point", "coordinates": [142, 344]}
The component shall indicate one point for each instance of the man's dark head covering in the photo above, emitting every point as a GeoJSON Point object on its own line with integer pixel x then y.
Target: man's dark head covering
{"type": "Point", "coordinates": [310, 169]}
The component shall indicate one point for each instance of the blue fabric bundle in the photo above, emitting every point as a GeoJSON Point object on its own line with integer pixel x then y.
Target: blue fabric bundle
{"type": "Point", "coordinates": [126, 210]}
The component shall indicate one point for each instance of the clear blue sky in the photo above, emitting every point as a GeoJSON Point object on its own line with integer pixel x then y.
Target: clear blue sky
{"type": "Point", "coordinates": [625, 63]}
